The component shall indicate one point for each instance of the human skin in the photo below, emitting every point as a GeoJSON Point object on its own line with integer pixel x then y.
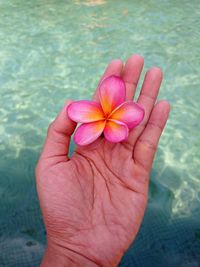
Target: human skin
{"type": "Point", "coordinates": [93, 203]}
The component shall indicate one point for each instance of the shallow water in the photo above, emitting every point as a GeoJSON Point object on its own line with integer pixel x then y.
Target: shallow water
{"type": "Point", "coordinates": [54, 50]}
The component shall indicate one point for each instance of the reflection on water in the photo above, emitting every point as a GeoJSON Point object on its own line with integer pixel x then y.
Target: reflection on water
{"type": "Point", "coordinates": [91, 2]}
{"type": "Point", "coordinates": [54, 50]}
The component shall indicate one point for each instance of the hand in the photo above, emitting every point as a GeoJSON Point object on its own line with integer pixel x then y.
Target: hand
{"type": "Point", "coordinates": [93, 203]}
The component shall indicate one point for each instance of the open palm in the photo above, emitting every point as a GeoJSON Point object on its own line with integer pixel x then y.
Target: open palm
{"type": "Point", "coordinates": [94, 202]}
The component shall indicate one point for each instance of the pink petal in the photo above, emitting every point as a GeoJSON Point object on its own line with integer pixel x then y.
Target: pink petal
{"type": "Point", "coordinates": [88, 132]}
{"type": "Point", "coordinates": [129, 113]}
{"type": "Point", "coordinates": [85, 111]}
{"type": "Point", "coordinates": [112, 92]}
{"type": "Point", "coordinates": [115, 131]}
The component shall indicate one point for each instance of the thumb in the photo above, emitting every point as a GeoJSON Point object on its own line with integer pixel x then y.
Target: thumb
{"type": "Point", "coordinates": [58, 137]}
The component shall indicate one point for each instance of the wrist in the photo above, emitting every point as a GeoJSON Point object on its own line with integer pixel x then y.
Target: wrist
{"type": "Point", "coordinates": [55, 258]}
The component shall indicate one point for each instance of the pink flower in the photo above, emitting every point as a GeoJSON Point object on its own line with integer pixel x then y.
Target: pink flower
{"type": "Point", "coordinates": [113, 116]}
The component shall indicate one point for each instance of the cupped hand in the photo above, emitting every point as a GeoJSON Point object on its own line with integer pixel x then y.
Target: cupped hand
{"type": "Point", "coordinates": [93, 203]}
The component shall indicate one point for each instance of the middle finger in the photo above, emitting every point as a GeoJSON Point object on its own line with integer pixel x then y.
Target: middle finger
{"type": "Point", "coordinates": [147, 99]}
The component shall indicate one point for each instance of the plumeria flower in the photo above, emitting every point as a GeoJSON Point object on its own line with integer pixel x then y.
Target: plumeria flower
{"type": "Point", "coordinates": [112, 116]}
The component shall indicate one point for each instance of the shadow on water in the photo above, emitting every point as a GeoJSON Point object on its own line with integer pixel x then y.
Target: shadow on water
{"type": "Point", "coordinates": [163, 240]}
{"type": "Point", "coordinates": [22, 234]}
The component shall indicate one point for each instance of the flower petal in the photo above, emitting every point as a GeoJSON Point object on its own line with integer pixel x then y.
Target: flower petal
{"type": "Point", "coordinates": [88, 132]}
{"type": "Point", "coordinates": [85, 111]}
{"type": "Point", "coordinates": [112, 92]}
{"type": "Point", "coordinates": [129, 113]}
{"type": "Point", "coordinates": [115, 131]}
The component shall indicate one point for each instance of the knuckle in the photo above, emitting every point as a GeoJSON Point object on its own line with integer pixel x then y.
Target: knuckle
{"type": "Point", "coordinates": [51, 127]}
{"type": "Point", "coordinates": [39, 168]}
{"type": "Point", "coordinates": [148, 144]}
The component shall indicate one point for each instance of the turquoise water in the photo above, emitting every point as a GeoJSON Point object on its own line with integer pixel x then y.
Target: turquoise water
{"type": "Point", "coordinates": [54, 50]}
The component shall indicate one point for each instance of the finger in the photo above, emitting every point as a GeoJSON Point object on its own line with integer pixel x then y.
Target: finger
{"type": "Point", "coordinates": [131, 74]}
{"type": "Point", "coordinates": [147, 143]}
{"type": "Point", "coordinates": [147, 99]}
{"type": "Point", "coordinates": [114, 68]}
{"type": "Point", "coordinates": [58, 136]}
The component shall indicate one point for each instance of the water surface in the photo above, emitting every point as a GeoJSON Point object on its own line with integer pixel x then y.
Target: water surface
{"type": "Point", "coordinates": [54, 50]}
